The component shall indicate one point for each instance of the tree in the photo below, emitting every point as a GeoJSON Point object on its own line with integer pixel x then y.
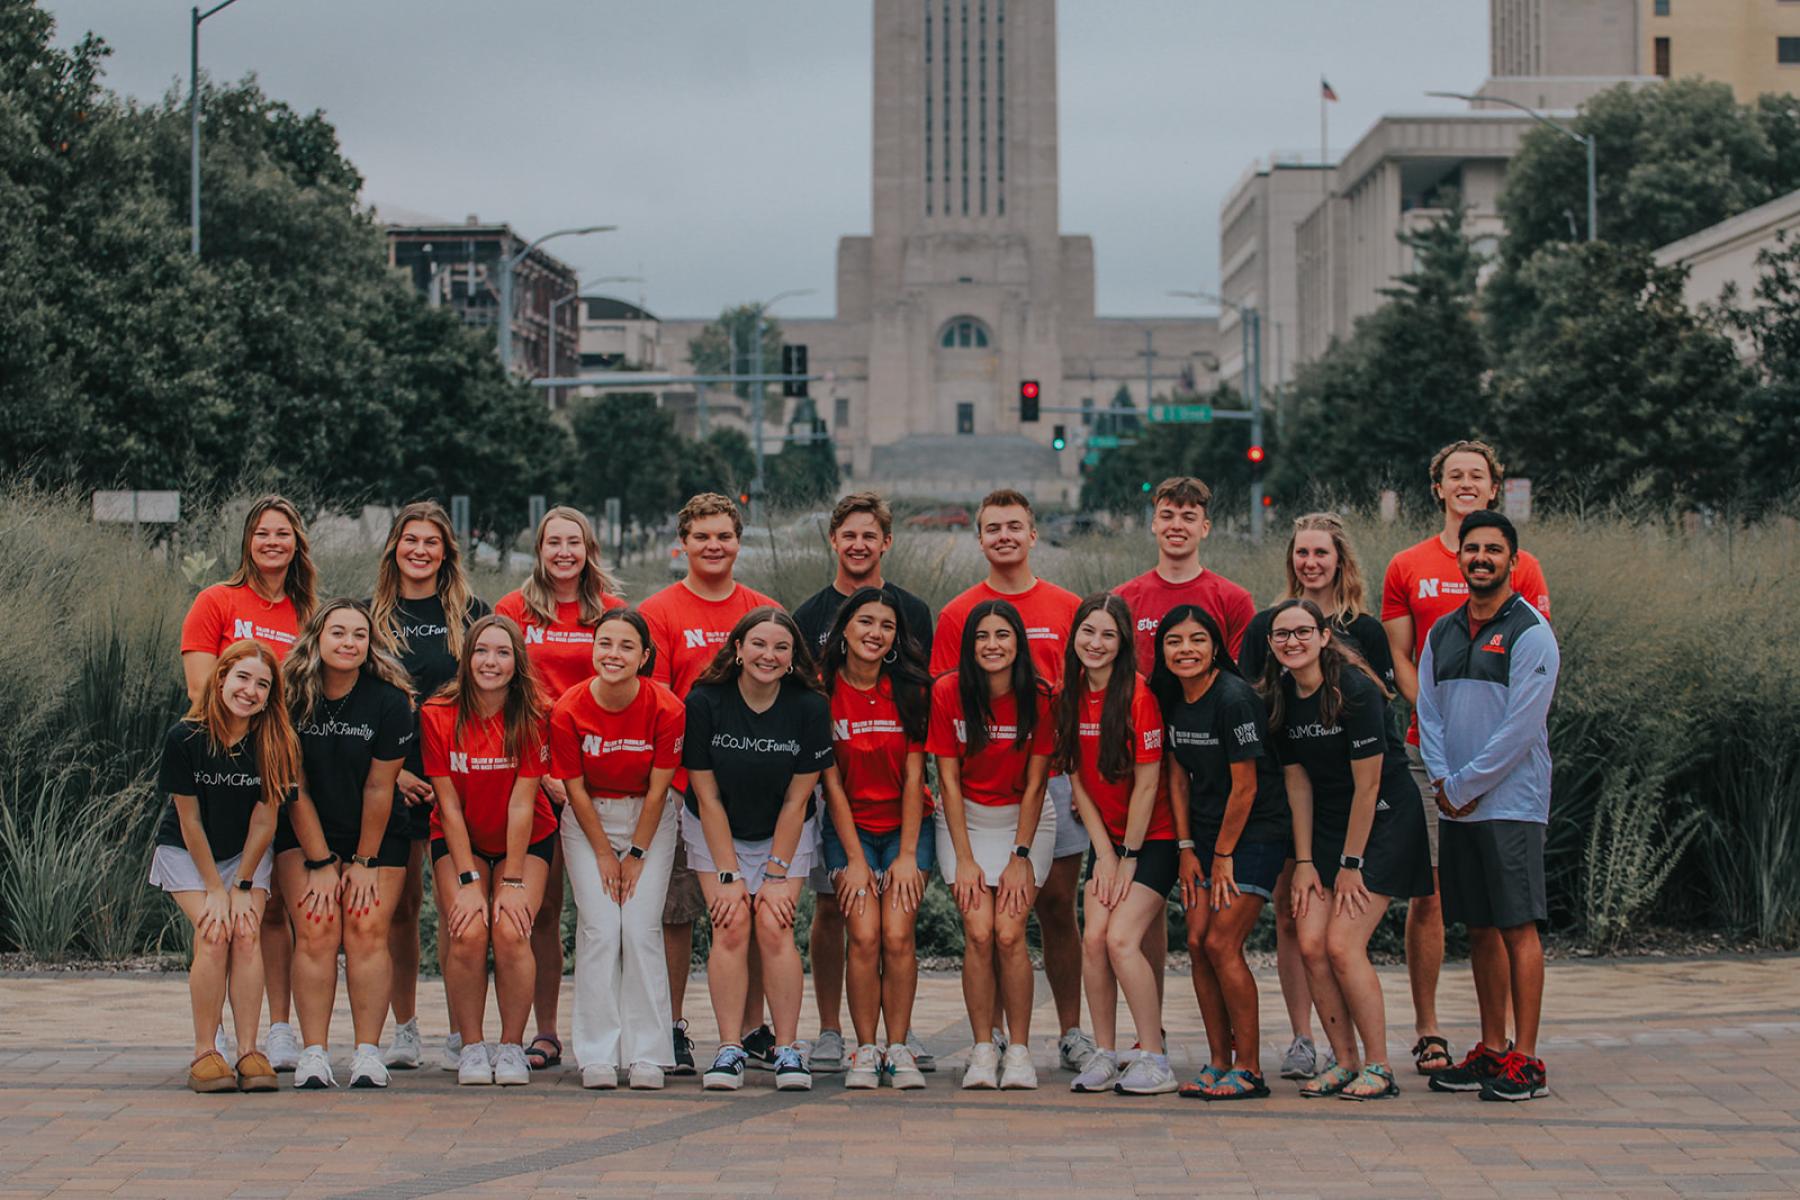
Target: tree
{"type": "Point", "coordinates": [725, 347]}
{"type": "Point", "coordinates": [627, 448]}
{"type": "Point", "coordinates": [1215, 453]}
{"type": "Point", "coordinates": [1770, 461]}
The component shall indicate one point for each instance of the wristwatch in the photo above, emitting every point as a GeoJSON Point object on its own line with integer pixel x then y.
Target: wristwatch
{"type": "Point", "coordinates": [469, 877]}
{"type": "Point", "coordinates": [1124, 851]}
{"type": "Point", "coordinates": [319, 864]}
{"type": "Point", "coordinates": [1350, 862]}
{"type": "Point", "coordinates": [1021, 851]}
{"type": "Point", "coordinates": [728, 877]}
{"type": "Point", "coordinates": [244, 885]}
{"type": "Point", "coordinates": [362, 860]}
{"type": "Point", "coordinates": [778, 862]}
{"type": "Point", "coordinates": [514, 883]}
{"type": "Point", "coordinates": [1185, 844]}
{"type": "Point", "coordinates": [636, 851]}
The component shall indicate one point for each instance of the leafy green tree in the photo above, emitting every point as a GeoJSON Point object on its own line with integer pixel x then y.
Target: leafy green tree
{"type": "Point", "coordinates": [725, 347]}
{"type": "Point", "coordinates": [1770, 323]}
{"type": "Point", "coordinates": [628, 448]}
{"type": "Point", "coordinates": [1214, 453]}
{"type": "Point", "coordinates": [736, 456]}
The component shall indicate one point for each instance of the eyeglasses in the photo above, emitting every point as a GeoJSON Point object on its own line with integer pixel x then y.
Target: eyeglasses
{"type": "Point", "coordinates": [1281, 637]}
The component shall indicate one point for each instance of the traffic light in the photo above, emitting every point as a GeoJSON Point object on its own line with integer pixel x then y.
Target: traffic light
{"type": "Point", "coordinates": [1058, 439]}
{"type": "Point", "coordinates": [1255, 455]}
{"type": "Point", "coordinates": [1028, 401]}
{"type": "Point", "coordinates": [793, 362]}
{"type": "Point", "coordinates": [1146, 487]}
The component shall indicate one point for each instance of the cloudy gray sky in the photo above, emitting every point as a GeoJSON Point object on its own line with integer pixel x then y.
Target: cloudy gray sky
{"type": "Point", "coordinates": [730, 140]}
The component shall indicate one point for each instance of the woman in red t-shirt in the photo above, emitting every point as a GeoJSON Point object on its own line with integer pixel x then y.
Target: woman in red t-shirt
{"type": "Point", "coordinates": [992, 736]}
{"type": "Point", "coordinates": [557, 608]}
{"type": "Point", "coordinates": [876, 844]}
{"type": "Point", "coordinates": [615, 743]}
{"type": "Point", "coordinates": [491, 838]}
{"type": "Point", "coordinates": [1109, 739]}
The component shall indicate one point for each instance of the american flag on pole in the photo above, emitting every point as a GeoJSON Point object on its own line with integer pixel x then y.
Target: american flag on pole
{"type": "Point", "coordinates": [1325, 91]}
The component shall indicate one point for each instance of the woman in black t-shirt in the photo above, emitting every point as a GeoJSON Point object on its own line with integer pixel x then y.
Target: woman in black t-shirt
{"type": "Point", "coordinates": [1231, 818]}
{"type": "Point", "coordinates": [422, 609]}
{"type": "Point", "coordinates": [758, 736]}
{"type": "Point", "coordinates": [1359, 834]}
{"type": "Point", "coordinates": [342, 843]}
{"type": "Point", "coordinates": [226, 767]}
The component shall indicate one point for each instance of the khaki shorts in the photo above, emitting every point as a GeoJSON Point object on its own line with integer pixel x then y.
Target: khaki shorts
{"type": "Point", "coordinates": [685, 903]}
{"type": "Point", "coordinates": [1429, 796]}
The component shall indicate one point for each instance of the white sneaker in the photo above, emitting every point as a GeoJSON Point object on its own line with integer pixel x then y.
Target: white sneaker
{"type": "Point", "coordinates": [865, 1068]}
{"type": "Point", "coordinates": [282, 1047]}
{"type": "Point", "coordinates": [1074, 1048]}
{"type": "Point", "coordinates": [603, 1076]}
{"type": "Point", "coordinates": [645, 1077]}
{"type": "Point", "coordinates": [405, 1053]}
{"type": "Point", "coordinates": [983, 1070]}
{"type": "Point", "coordinates": [903, 1068]}
{"type": "Point", "coordinates": [453, 1048]}
{"type": "Point", "coordinates": [510, 1066]}
{"type": "Point", "coordinates": [313, 1070]}
{"type": "Point", "coordinates": [924, 1059]}
{"type": "Point", "coordinates": [1000, 1042]}
{"type": "Point", "coordinates": [1016, 1071]}
{"type": "Point", "coordinates": [474, 1068]}
{"type": "Point", "coordinates": [828, 1052]}
{"type": "Point", "coordinates": [1101, 1072]}
{"type": "Point", "coordinates": [222, 1044]}
{"type": "Point", "coordinates": [1149, 1075]}
{"type": "Point", "coordinates": [366, 1069]}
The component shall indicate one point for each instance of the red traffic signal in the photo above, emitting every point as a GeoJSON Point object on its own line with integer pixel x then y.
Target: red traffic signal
{"type": "Point", "coordinates": [1028, 400]}
{"type": "Point", "coordinates": [1255, 455]}
{"type": "Point", "coordinates": [1029, 389]}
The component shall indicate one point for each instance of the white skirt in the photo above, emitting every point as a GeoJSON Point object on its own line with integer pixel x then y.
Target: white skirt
{"type": "Point", "coordinates": [993, 832]}
{"type": "Point", "coordinates": [172, 869]}
{"type": "Point", "coordinates": [752, 857]}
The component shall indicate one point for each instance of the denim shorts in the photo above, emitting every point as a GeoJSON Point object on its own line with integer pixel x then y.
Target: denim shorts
{"type": "Point", "coordinates": [879, 849]}
{"type": "Point", "coordinates": [1255, 866]}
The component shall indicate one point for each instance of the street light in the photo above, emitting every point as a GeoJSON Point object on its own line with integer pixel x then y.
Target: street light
{"type": "Point", "coordinates": [1585, 139]}
{"type": "Point", "coordinates": [756, 393]}
{"type": "Point", "coordinates": [1251, 322]}
{"type": "Point", "coordinates": [194, 121]}
{"type": "Point", "coordinates": [506, 284]}
{"type": "Point", "coordinates": [562, 300]}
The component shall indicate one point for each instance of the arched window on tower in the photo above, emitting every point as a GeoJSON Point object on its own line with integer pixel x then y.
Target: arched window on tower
{"type": "Point", "coordinates": [964, 333]}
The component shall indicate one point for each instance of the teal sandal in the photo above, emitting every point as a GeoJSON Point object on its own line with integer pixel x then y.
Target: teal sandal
{"type": "Point", "coordinates": [1209, 1077]}
{"type": "Point", "coordinates": [1374, 1076]}
{"type": "Point", "coordinates": [1329, 1082]}
{"type": "Point", "coordinates": [1237, 1084]}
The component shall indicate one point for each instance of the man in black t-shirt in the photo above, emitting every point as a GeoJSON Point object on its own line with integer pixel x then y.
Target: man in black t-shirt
{"type": "Point", "coordinates": [861, 533]}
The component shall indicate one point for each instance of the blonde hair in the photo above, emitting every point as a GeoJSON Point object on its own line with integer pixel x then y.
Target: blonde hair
{"type": "Point", "coordinates": [304, 668]}
{"type": "Point", "coordinates": [452, 581]}
{"type": "Point", "coordinates": [591, 590]}
{"type": "Point", "coordinates": [271, 730]}
{"type": "Point", "coordinates": [301, 583]}
{"type": "Point", "coordinates": [1347, 589]}
{"type": "Point", "coordinates": [708, 504]}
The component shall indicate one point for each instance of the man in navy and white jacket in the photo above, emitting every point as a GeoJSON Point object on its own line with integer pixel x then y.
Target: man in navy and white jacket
{"type": "Point", "coordinates": [1486, 677]}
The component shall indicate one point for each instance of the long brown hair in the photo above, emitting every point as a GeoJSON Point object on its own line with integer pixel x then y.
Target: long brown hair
{"type": "Point", "coordinates": [452, 581]}
{"type": "Point", "coordinates": [1336, 656]}
{"type": "Point", "coordinates": [1347, 590]}
{"type": "Point", "coordinates": [304, 667]}
{"type": "Point", "coordinates": [521, 713]}
{"type": "Point", "coordinates": [972, 684]}
{"type": "Point", "coordinates": [1117, 738]}
{"type": "Point", "coordinates": [594, 585]}
{"type": "Point", "coordinates": [271, 732]}
{"type": "Point", "coordinates": [725, 668]}
{"type": "Point", "coordinates": [302, 581]}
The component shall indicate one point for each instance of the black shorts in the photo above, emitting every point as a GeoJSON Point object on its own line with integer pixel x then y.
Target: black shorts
{"type": "Point", "coordinates": [418, 820]}
{"type": "Point", "coordinates": [544, 848]}
{"type": "Point", "coordinates": [1255, 866]}
{"type": "Point", "coordinates": [1491, 873]}
{"type": "Point", "coordinates": [1397, 859]}
{"type": "Point", "coordinates": [1156, 866]}
{"type": "Point", "coordinates": [395, 851]}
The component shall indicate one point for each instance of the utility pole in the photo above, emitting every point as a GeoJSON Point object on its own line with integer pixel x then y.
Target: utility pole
{"type": "Point", "coordinates": [757, 391]}
{"type": "Point", "coordinates": [1585, 139]}
{"type": "Point", "coordinates": [1250, 319]}
{"type": "Point", "coordinates": [194, 121]}
{"type": "Point", "coordinates": [507, 265]}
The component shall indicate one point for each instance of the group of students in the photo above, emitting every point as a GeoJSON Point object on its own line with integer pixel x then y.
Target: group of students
{"type": "Point", "coordinates": [707, 752]}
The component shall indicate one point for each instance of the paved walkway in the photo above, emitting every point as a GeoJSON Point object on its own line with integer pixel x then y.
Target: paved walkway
{"type": "Point", "coordinates": [1670, 1078]}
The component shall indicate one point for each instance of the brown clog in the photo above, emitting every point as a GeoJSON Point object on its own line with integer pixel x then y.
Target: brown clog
{"type": "Point", "coordinates": [254, 1074]}
{"type": "Point", "coordinates": [211, 1073]}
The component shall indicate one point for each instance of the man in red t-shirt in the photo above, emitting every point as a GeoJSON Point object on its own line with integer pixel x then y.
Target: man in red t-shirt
{"type": "Point", "coordinates": [1178, 521]}
{"type": "Point", "coordinates": [1007, 530]}
{"type": "Point", "coordinates": [1425, 583]}
{"type": "Point", "coordinates": [689, 620]}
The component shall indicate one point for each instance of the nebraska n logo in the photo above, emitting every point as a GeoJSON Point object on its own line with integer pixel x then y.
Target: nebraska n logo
{"type": "Point", "coordinates": [241, 629]}
{"type": "Point", "coordinates": [590, 744]}
{"type": "Point", "coordinates": [459, 762]}
{"type": "Point", "coordinates": [534, 635]}
{"type": "Point", "coordinates": [693, 639]}
{"type": "Point", "coordinates": [840, 731]}
{"type": "Point", "coordinates": [1428, 589]}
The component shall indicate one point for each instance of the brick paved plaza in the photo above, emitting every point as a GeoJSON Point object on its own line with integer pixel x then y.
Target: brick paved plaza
{"type": "Point", "coordinates": [1670, 1078]}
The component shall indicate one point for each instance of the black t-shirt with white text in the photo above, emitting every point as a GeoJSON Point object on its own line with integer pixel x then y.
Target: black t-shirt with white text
{"type": "Point", "coordinates": [1362, 730]}
{"type": "Point", "coordinates": [1206, 736]}
{"type": "Point", "coordinates": [424, 637]}
{"type": "Point", "coordinates": [1364, 633]}
{"type": "Point", "coordinates": [227, 784]}
{"type": "Point", "coordinates": [372, 721]}
{"type": "Point", "coordinates": [818, 611]}
{"type": "Point", "coordinates": [754, 756]}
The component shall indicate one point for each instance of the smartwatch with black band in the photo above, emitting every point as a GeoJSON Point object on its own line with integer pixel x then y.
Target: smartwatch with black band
{"type": "Point", "coordinates": [1350, 862]}
{"type": "Point", "coordinates": [1021, 851]}
{"type": "Point", "coordinates": [244, 885]}
{"type": "Point", "coordinates": [469, 877]}
{"type": "Point", "coordinates": [1124, 851]}
{"type": "Point", "coordinates": [636, 851]}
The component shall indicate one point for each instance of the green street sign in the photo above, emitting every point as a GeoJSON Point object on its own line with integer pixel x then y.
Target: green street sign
{"type": "Point", "coordinates": [1175, 414]}
{"type": "Point", "coordinates": [1103, 441]}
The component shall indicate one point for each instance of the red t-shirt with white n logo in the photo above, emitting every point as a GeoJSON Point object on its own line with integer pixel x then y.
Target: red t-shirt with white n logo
{"type": "Point", "coordinates": [1425, 583]}
{"type": "Point", "coordinates": [562, 652]}
{"type": "Point", "coordinates": [995, 774]}
{"type": "Point", "coordinates": [483, 774]}
{"type": "Point", "coordinates": [225, 613]}
{"type": "Point", "coordinates": [688, 629]}
{"type": "Point", "coordinates": [613, 753]}
{"type": "Point", "coordinates": [870, 748]}
{"type": "Point", "coordinates": [1046, 609]}
{"type": "Point", "coordinates": [1113, 796]}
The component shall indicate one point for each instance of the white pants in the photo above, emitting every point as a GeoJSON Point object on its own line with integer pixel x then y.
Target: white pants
{"type": "Point", "coordinates": [622, 1011]}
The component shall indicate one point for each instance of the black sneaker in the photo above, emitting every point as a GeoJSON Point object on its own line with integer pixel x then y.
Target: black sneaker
{"type": "Point", "coordinates": [1469, 1075]}
{"type": "Point", "coordinates": [791, 1071]}
{"type": "Point", "coordinates": [759, 1047]}
{"type": "Point", "coordinates": [1521, 1078]}
{"type": "Point", "coordinates": [727, 1071]}
{"type": "Point", "coordinates": [684, 1051]}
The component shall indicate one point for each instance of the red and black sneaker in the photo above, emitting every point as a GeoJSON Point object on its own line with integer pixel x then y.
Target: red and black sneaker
{"type": "Point", "coordinates": [1521, 1078]}
{"type": "Point", "coordinates": [1471, 1074]}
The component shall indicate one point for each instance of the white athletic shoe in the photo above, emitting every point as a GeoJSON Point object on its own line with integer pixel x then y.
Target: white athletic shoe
{"type": "Point", "coordinates": [222, 1044]}
{"type": "Point", "coordinates": [405, 1053]}
{"type": "Point", "coordinates": [828, 1052]}
{"type": "Point", "coordinates": [1074, 1048]}
{"type": "Point", "coordinates": [865, 1068]}
{"type": "Point", "coordinates": [453, 1048]}
{"type": "Point", "coordinates": [366, 1069]}
{"type": "Point", "coordinates": [903, 1068]}
{"type": "Point", "coordinates": [983, 1070]}
{"type": "Point", "coordinates": [474, 1067]}
{"type": "Point", "coordinates": [510, 1066]}
{"type": "Point", "coordinates": [924, 1059]}
{"type": "Point", "coordinates": [313, 1070]}
{"type": "Point", "coordinates": [1101, 1072]}
{"type": "Point", "coordinates": [282, 1047]}
{"type": "Point", "coordinates": [1149, 1075]}
{"type": "Point", "coordinates": [1016, 1071]}
{"type": "Point", "coordinates": [1000, 1042]}
{"type": "Point", "coordinates": [601, 1076]}
{"type": "Point", "coordinates": [645, 1077]}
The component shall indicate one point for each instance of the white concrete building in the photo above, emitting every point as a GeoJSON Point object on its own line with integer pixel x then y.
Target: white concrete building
{"type": "Point", "coordinates": [1724, 255]}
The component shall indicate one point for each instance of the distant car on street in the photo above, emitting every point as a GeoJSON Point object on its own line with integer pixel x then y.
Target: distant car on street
{"type": "Point", "coordinates": [1064, 528]}
{"type": "Point", "coordinates": [951, 517]}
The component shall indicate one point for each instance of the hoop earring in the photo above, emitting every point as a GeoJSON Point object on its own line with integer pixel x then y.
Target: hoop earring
{"type": "Point", "coordinates": [790, 669]}
{"type": "Point", "coordinates": [892, 656]}
{"type": "Point", "coordinates": [844, 643]}
{"type": "Point", "coordinates": [737, 661]}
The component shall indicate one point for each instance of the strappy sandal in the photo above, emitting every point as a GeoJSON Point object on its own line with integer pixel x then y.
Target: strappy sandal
{"type": "Point", "coordinates": [1329, 1082]}
{"type": "Point", "coordinates": [539, 1059]}
{"type": "Point", "coordinates": [1237, 1084]}
{"type": "Point", "coordinates": [1209, 1077]}
{"type": "Point", "coordinates": [1373, 1075]}
{"type": "Point", "coordinates": [1431, 1054]}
